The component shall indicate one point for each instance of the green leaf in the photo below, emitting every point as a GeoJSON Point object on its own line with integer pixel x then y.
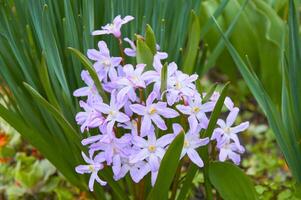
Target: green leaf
{"type": "Point", "coordinates": [168, 167]}
{"type": "Point", "coordinates": [231, 182]}
{"type": "Point", "coordinates": [150, 39]}
{"type": "Point", "coordinates": [144, 54]}
{"type": "Point", "coordinates": [193, 44]}
{"type": "Point", "coordinates": [88, 65]}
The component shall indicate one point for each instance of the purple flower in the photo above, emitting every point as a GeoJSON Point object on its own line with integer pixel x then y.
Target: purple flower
{"type": "Point", "coordinates": [90, 118]}
{"type": "Point", "coordinates": [196, 111]}
{"type": "Point", "coordinates": [230, 151]}
{"type": "Point", "coordinates": [112, 112]}
{"type": "Point", "coordinates": [191, 143]}
{"type": "Point", "coordinates": [114, 28]}
{"type": "Point", "coordinates": [182, 85]}
{"type": "Point", "coordinates": [151, 150]}
{"type": "Point", "coordinates": [225, 133]}
{"type": "Point", "coordinates": [89, 91]}
{"type": "Point", "coordinates": [228, 102]}
{"type": "Point", "coordinates": [105, 64]}
{"type": "Point", "coordinates": [92, 168]}
{"type": "Point", "coordinates": [137, 170]}
{"type": "Point", "coordinates": [151, 113]}
{"type": "Point", "coordinates": [154, 76]}
{"type": "Point", "coordinates": [132, 80]}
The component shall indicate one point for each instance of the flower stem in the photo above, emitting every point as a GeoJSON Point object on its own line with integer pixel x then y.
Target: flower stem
{"type": "Point", "coordinates": [176, 182]}
{"type": "Point", "coordinates": [121, 51]}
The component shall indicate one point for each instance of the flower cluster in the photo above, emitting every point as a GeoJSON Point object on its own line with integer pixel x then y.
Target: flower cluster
{"type": "Point", "coordinates": [139, 123]}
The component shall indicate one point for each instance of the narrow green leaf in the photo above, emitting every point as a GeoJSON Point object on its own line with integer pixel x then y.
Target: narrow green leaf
{"type": "Point", "coordinates": [88, 65]}
{"type": "Point", "coordinates": [168, 167]}
{"type": "Point", "coordinates": [144, 54]}
{"type": "Point", "coordinates": [192, 48]}
{"type": "Point", "coordinates": [231, 182]}
{"type": "Point", "coordinates": [72, 133]}
{"type": "Point", "coordinates": [150, 39]}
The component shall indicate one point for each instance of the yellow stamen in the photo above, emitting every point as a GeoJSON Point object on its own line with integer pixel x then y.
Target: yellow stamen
{"type": "Point", "coordinates": [196, 109]}
{"type": "Point", "coordinates": [152, 148]}
{"type": "Point", "coordinates": [152, 110]}
{"type": "Point", "coordinates": [186, 143]}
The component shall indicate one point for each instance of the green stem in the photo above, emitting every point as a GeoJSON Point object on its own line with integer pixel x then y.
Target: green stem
{"type": "Point", "coordinates": [121, 51]}
{"type": "Point", "coordinates": [208, 186]}
{"type": "Point", "coordinates": [176, 182]}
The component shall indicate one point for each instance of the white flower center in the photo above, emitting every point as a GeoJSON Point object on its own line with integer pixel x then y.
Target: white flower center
{"type": "Point", "coordinates": [106, 62]}
{"type": "Point", "coordinates": [91, 168]}
{"type": "Point", "coordinates": [152, 110]}
{"type": "Point", "coordinates": [227, 130]}
{"type": "Point", "coordinates": [112, 113]}
{"type": "Point", "coordinates": [152, 148]}
{"type": "Point", "coordinates": [196, 109]}
{"type": "Point", "coordinates": [178, 85]}
{"type": "Point", "coordinates": [186, 143]}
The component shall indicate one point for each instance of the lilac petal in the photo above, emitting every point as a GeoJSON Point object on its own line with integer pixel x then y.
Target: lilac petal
{"type": "Point", "coordinates": [139, 141]}
{"type": "Point", "coordinates": [241, 127]}
{"type": "Point", "coordinates": [101, 182]}
{"type": "Point", "coordinates": [130, 52]}
{"type": "Point", "coordinates": [193, 123]}
{"type": "Point", "coordinates": [144, 153]}
{"type": "Point", "coordinates": [168, 113]}
{"type": "Point", "coordinates": [124, 169]}
{"type": "Point", "coordinates": [158, 121]}
{"type": "Point", "coordinates": [81, 92]}
{"type": "Point", "coordinates": [154, 162]}
{"type": "Point", "coordinates": [165, 140]}
{"type": "Point", "coordinates": [160, 152]}
{"type": "Point", "coordinates": [82, 169]}
{"type": "Point", "coordinates": [154, 177]}
{"type": "Point", "coordinates": [229, 103]}
{"type": "Point", "coordinates": [91, 181]}
{"type": "Point", "coordinates": [146, 124]}
{"type": "Point", "coordinates": [116, 165]}
{"type": "Point", "coordinates": [194, 157]}
{"type": "Point", "coordinates": [223, 155]}
{"type": "Point", "coordinates": [100, 32]}
{"type": "Point", "coordinates": [112, 73]}
{"type": "Point", "coordinates": [152, 96]}
{"type": "Point", "coordinates": [103, 108]}
{"type": "Point", "coordinates": [201, 142]}
{"type": "Point", "coordinates": [128, 69]}
{"type": "Point", "coordinates": [139, 68]}
{"type": "Point", "coordinates": [87, 160]}
{"type": "Point", "coordinates": [131, 43]}
{"type": "Point", "coordinates": [93, 54]}
{"type": "Point", "coordinates": [135, 174]}
{"type": "Point", "coordinates": [221, 123]}
{"type": "Point", "coordinates": [110, 126]}
{"type": "Point", "coordinates": [91, 139]}
{"type": "Point", "coordinates": [127, 18]}
{"type": "Point", "coordinates": [184, 109]}
{"type": "Point", "coordinates": [234, 157]}
{"type": "Point", "coordinates": [162, 55]}
{"type": "Point", "coordinates": [217, 134]}
{"type": "Point", "coordinates": [100, 157]}
{"type": "Point", "coordinates": [177, 128]}
{"type": "Point", "coordinates": [232, 117]}
{"type": "Point", "coordinates": [137, 108]}
{"type": "Point", "coordinates": [121, 117]}
{"type": "Point", "coordinates": [144, 169]}
{"type": "Point", "coordinates": [109, 155]}
{"type": "Point", "coordinates": [103, 49]}
{"type": "Point", "coordinates": [115, 61]}
{"type": "Point", "coordinates": [207, 107]}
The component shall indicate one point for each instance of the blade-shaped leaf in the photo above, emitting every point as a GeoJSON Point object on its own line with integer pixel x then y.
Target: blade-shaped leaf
{"type": "Point", "coordinates": [231, 182]}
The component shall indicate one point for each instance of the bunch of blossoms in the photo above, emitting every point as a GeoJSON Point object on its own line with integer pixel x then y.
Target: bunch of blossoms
{"type": "Point", "coordinates": [135, 129]}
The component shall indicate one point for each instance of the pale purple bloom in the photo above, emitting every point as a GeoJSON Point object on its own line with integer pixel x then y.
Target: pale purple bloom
{"type": "Point", "coordinates": [132, 80]}
{"type": "Point", "coordinates": [196, 111]}
{"type": "Point", "coordinates": [113, 28]}
{"type": "Point", "coordinates": [230, 151]}
{"type": "Point", "coordinates": [154, 76]}
{"type": "Point", "coordinates": [131, 125]}
{"type": "Point", "coordinates": [228, 102]}
{"type": "Point", "coordinates": [105, 64]}
{"type": "Point", "coordinates": [151, 150]}
{"type": "Point", "coordinates": [151, 113]}
{"type": "Point", "coordinates": [137, 170]}
{"type": "Point", "coordinates": [92, 168]}
{"type": "Point", "coordinates": [89, 91]}
{"type": "Point", "coordinates": [90, 118]}
{"type": "Point", "coordinates": [182, 85]}
{"type": "Point", "coordinates": [225, 133]}
{"type": "Point", "coordinates": [112, 112]}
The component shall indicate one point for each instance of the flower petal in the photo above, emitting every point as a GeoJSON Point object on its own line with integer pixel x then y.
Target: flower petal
{"type": "Point", "coordinates": [194, 157]}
